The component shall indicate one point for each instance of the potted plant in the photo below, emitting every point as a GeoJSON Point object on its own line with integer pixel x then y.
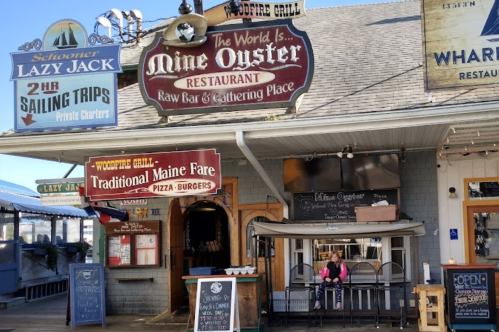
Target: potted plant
{"type": "Point", "coordinates": [52, 255]}
{"type": "Point", "coordinates": [81, 247]}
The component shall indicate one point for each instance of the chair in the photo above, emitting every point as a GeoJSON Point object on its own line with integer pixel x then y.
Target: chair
{"type": "Point", "coordinates": [392, 285]}
{"type": "Point", "coordinates": [326, 302]}
{"type": "Point", "coordinates": [300, 293]}
{"type": "Point", "coordinates": [362, 286]}
{"type": "Point", "coordinates": [333, 291]}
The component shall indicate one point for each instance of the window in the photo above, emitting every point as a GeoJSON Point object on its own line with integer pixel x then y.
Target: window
{"type": "Point", "coordinates": [6, 227]}
{"type": "Point", "coordinates": [367, 249]}
{"type": "Point", "coordinates": [67, 230]}
{"type": "Point", "coordinates": [259, 241]}
{"type": "Point", "coordinates": [34, 229]}
{"type": "Point", "coordinates": [298, 256]}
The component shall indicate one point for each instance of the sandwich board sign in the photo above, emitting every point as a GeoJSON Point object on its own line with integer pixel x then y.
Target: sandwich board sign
{"type": "Point", "coordinates": [86, 294]}
{"type": "Point", "coordinates": [216, 305]}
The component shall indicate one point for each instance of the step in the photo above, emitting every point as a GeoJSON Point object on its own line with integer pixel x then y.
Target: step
{"type": "Point", "coordinates": [11, 302]}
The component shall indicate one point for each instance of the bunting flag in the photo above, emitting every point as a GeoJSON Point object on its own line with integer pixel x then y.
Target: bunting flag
{"type": "Point", "coordinates": [103, 210]}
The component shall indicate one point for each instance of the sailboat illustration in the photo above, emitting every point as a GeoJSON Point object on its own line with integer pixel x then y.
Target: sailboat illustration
{"type": "Point", "coordinates": [66, 39]}
{"type": "Point", "coordinates": [491, 26]}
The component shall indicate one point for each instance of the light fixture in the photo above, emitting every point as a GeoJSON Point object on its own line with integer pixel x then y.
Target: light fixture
{"type": "Point", "coordinates": [350, 154]}
{"type": "Point", "coordinates": [235, 6]}
{"type": "Point", "coordinates": [184, 8]}
{"type": "Point", "coordinates": [478, 133]}
{"type": "Point", "coordinates": [340, 154]}
{"type": "Point", "coordinates": [106, 24]}
{"type": "Point", "coordinates": [452, 192]}
{"type": "Point", "coordinates": [453, 129]}
{"type": "Point", "coordinates": [402, 154]}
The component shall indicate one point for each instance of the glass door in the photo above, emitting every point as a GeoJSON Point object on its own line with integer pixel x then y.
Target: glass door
{"type": "Point", "coordinates": [483, 234]}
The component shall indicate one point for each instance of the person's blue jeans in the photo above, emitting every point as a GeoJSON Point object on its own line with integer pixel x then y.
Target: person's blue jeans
{"type": "Point", "coordinates": [337, 285]}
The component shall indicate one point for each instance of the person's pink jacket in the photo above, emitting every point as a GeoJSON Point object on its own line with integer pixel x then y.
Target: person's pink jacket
{"type": "Point", "coordinates": [343, 272]}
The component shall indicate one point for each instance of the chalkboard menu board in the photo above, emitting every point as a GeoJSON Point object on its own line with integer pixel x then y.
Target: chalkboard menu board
{"type": "Point", "coordinates": [216, 303]}
{"type": "Point", "coordinates": [337, 205]}
{"type": "Point", "coordinates": [470, 295]}
{"type": "Point", "coordinates": [87, 298]}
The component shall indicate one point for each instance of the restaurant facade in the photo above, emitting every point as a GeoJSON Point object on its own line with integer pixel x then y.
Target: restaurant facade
{"type": "Point", "coordinates": [283, 163]}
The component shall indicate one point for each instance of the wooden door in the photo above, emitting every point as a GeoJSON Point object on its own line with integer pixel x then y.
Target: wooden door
{"type": "Point", "coordinates": [176, 253]}
{"type": "Point", "coordinates": [272, 212]}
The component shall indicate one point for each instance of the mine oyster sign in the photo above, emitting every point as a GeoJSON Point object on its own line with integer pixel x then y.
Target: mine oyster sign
{"type": "Point", "coordinates": [170, 174]}
{"type": "Point", "coordinates": [64, 84]}
{"type": "Point", "coordinates": [238, 67]}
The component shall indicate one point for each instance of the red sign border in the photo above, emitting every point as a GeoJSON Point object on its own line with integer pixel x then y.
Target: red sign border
{"type": "Point", "coordinates": [141, 195]}
{"type": "Point", "coordinates": [254, 106]}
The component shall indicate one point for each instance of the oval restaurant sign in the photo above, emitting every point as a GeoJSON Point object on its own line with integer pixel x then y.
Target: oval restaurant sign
{"type": "Point", "coordinates": [177, 173]}
{"type": "Point", "coordinates": [239, 67]}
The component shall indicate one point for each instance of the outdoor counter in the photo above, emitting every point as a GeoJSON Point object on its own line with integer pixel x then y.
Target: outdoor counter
{"type": "Point", "coordinates": [249, 292]}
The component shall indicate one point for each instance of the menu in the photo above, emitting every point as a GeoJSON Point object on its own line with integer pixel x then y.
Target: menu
{"type": "Point", "coordinates": [216, 302]}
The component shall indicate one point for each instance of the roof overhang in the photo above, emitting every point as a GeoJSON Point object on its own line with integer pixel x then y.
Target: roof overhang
{"type": "Point", "coordinates": [415, 129]}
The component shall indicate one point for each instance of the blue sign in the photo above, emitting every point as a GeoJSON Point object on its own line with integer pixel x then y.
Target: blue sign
{"type": "Point", "coordinates": [67, 84]}
{"type": "Point", "coordinates": [87, 297]}
{"type": "Point", "coordinates": [453, 233]}
{"type": "Point", "coordinates": [66, 102]}
{"type": "Point", "coordinates": [76, 61]}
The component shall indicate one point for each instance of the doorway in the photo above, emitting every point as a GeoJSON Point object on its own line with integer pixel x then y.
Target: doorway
{"type": "Point", "coordinates": [483, 234]}
{"type": "Point", "coordinates": [199, 236]}
{"type": "Point", "coordinates": [206, 236]}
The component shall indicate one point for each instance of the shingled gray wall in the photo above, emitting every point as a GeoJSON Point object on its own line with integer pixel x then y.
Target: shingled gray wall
{"type": "Point", "coordinates": [140, 297]}
{"type": "Point", "coordinates": [420, 201]}
{"type": "Point", "coordinates": [252, 189]}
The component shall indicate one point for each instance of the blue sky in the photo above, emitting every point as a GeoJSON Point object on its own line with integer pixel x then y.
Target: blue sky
{"type": "Point", "coordinates": [25, 20]}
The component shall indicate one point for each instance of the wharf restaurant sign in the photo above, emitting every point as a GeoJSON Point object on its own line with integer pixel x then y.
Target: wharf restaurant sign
{"type": "Point", "coordinates": [238, 67]}
{"type": "Point", "coordinates": [460, 43]}
{"type": "Point", "coordinates": [171, 174]}
{"type": "Point", "coordinates": [63, 83]}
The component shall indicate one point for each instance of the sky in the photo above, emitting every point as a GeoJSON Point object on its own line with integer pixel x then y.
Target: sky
{"type": "Point", "coordinates": [25, 20]}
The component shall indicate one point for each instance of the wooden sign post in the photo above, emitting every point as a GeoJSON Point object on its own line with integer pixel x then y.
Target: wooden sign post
{"type": "Point", "coordinates": [86, 294]}
{"type": "Point", "coordinates": [216, 304]}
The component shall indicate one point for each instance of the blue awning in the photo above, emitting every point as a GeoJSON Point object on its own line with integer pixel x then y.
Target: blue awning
{"type": "Point", "coordinates": [13, 188]}
{"type": "Point", "coordinates": [21, 203]}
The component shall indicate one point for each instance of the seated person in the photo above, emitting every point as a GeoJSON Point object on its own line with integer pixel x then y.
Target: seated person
{"type": "Point", "coordinates": [335, 273]}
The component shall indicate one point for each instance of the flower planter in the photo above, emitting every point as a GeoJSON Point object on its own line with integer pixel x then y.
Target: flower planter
{"type": "Point", "coordinates": [71, 249]}
{"type": "Point", "coordinates": [40, 252]}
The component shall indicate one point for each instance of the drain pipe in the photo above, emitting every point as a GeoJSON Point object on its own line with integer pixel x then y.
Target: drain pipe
{"type": "Point", "coordinates": [259, 169]}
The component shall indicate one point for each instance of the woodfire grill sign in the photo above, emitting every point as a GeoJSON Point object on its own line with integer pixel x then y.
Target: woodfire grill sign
{"type": "Point", "coordinates": [239, 67]}
{"type": "Point", "coordinates": [178, 173]}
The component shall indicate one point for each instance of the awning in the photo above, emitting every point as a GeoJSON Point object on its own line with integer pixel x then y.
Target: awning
{"type": "Point", "coordinates": [21, 203]}
{"type": "Point", "coordinates": [13, 188]}
{"type": "Point", "coordinates": [349, 230]}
